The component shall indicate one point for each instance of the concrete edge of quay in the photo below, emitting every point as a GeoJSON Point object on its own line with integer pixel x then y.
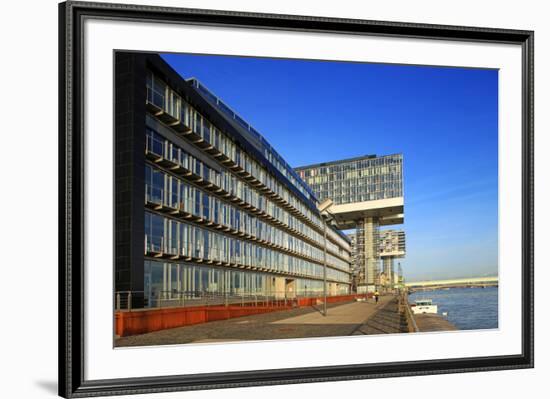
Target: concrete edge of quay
{"type": "Point", "coordinates": [424, 322]}
{"type": "Point", "coordinates": [433, 322]}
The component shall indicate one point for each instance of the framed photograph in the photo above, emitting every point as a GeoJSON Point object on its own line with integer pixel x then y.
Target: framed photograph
{"type": "Point", "coordinates": [253, 199]}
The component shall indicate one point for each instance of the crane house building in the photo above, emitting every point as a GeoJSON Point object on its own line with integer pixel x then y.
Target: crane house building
{"type": "Point", "coordinates": [204, 206]}
{"type": "Point", "coordinates": [367, 193]}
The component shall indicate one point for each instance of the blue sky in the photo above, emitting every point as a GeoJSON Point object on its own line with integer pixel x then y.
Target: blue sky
{"type": "Point", "coordinates": [443, 120]}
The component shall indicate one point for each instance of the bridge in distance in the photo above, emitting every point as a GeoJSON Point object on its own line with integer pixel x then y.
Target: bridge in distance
{"type": "Point", "coordinates": [458, 282]}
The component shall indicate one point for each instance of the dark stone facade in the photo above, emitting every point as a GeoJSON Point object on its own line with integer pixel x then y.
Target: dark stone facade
{"type": "Point", "coordinates": [129, 134]}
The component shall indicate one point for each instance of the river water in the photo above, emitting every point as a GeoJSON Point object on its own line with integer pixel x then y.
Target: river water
{"type": "Point", "coordinates": [467, 308]}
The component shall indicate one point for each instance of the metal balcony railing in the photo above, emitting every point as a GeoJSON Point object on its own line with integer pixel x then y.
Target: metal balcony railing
{"type": "Point", "coordinates": [154, 195]}
{"type": "Point", "coordinates": [154, 146]}
{"type": "Point", "coordinates": [125, 300]}
{"type": "Point", "coordinates": [154, 245]}
{"type": "Point", "coordinates": [155, 98]}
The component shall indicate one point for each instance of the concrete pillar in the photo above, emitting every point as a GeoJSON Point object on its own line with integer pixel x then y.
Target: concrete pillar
{"type": "Point", "coordinates": [371, 240]}
{"type": "Point", "coordinates": [388, 270]}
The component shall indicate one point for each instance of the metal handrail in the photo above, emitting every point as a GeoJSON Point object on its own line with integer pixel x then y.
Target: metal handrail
{"type": "Point", "coordinates": [119, 299]}
{"type": "Point", "coordinates": [175, 298]}
{"type": "Point", "coordinates": [213, 298]}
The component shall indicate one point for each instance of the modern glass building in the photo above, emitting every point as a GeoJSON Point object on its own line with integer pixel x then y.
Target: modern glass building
{"type": "Point", "coordinates": [360, 179]}
{"type": "Point", "coordinates": [367, 193]}
{"type": "Point", "coordinates": [204, 205]}
{"type": "Point", "coordinates": [392, 246]}
{"type": "Point", "coordinates": [392, 243]}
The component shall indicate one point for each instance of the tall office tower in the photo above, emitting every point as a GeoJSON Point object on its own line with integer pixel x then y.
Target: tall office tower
{"type": "Point", "coordinates": [367, 193]}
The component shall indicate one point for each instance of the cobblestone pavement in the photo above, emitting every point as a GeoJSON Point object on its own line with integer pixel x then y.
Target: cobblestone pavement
{"type": "Point", "coordinates": [342, 320]}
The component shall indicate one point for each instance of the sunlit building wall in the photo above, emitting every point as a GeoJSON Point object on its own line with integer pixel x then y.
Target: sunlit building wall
{"type": "Point", "coordinates": [204, 203]}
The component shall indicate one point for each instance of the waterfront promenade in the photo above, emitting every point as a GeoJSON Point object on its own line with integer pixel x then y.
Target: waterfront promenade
{"type": "Point", "coordinates": [343, 319]}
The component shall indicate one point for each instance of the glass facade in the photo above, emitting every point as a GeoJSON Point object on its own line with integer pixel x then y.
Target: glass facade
{"type": "Point", "coordinates": [172, 191]}
{"type": "Point", "coordinates": [172, 280]}
{"type": "Point", "coordinates": [269, 152]}
{"type": "Point", "coordinates": [217, 220]}
{"type": "Point", "coordinates": [356, 180]}
{"type": "Point", "coordinates": [392, 242]}
{"type": "Point", "coordinates": [166, 236]}
{"type": "Point", "coordinates": [226, 145]}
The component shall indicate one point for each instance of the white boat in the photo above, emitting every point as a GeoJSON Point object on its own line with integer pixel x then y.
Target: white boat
{"type": "Point", "coordinates": [423, 306]}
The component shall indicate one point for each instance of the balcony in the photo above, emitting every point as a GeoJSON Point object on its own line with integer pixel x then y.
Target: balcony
{"type": "Point", "coordinates": [228, 162]}
{"type": "Point", "coordinates": [159, 152]}
{"type": "Point", "coordinates": [221, 157]}
{"type": "Point", "coordinates": [154, 148]}
{"type": "Point", "coordinates": [155, 102]}
{"type": "Point", "coordinates": [154, 246]}
{"type": "Point", "coordinates": [237, 168]}
{"type": "Point", "coordinates": [167, 163]}
{"type": "Point", "coordinates": [199, 133]}
{"type": "Point", "coordinates": [168, 109]}
{"type": "Point", "coordinates": [181, 124]}
{"type": "Point", "coordinates": [200, 142]}
{"type": "Point", "coordinates": [212, 150]}
{"type": "Point", "coordinates": [173, 253]}
{"type": "Point", "coordinates": [179, 170]}
{"type": "Point", "coordinates": [197, 254]}
{"type": "Point", "coordinates": [171, 109]}
{"type": "Point", "coordinates": [154, 197]}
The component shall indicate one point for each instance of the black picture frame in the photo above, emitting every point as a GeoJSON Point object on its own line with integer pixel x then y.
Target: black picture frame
{"type": "Point", "coordinates": [71, 196]}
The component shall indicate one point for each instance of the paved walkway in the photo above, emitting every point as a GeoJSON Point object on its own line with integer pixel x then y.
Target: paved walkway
{"type": "Point", "coordinates": [342, 320]}
{"type": "Point", "coordinates": [352, 313]}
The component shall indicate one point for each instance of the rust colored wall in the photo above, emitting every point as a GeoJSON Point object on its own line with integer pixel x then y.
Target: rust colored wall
{"type": "Point", "coordinates": [144, 321]}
